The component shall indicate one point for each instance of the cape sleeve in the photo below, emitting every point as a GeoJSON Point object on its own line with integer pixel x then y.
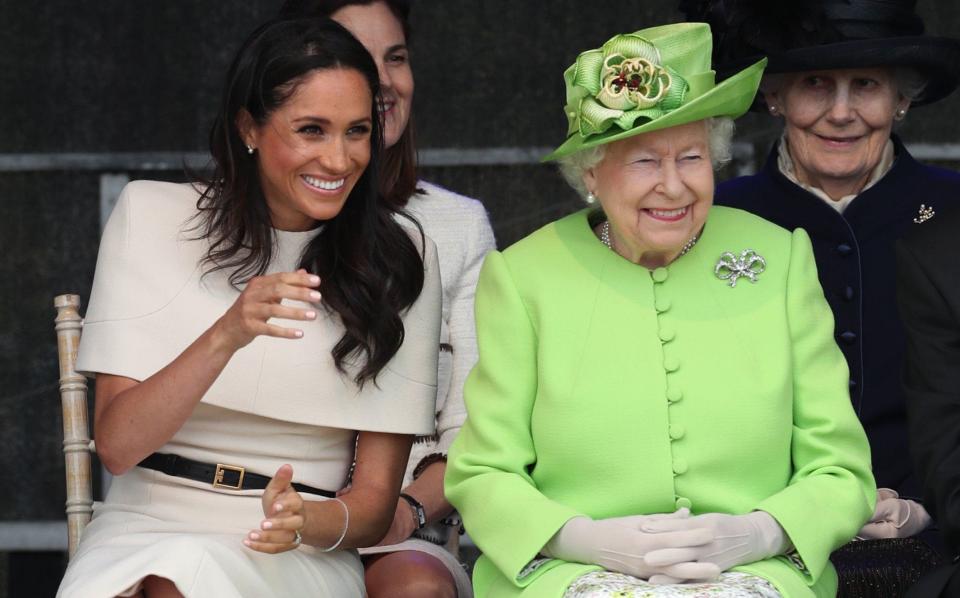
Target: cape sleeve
{"type": "Point", "coordinates": [411, 375]}
{"type": "Point", "coordinates": [141, 267]}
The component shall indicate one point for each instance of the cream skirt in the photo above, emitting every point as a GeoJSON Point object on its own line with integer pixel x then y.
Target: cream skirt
{"type": "Point", "coordinates": [192, 534]}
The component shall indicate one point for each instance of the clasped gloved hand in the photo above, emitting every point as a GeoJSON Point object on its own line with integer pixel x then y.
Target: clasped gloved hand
{"type": "Point", "coordinates": [737, 540]}
{"type": "Point", "coordinates": [894, 517]}
{"type": "Point", "coordinates": [621, 543]}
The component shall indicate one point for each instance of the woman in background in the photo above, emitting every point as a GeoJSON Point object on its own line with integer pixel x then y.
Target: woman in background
{"type": "Point", "coordinates": [410, 560]}
{"type": "Point", "coordinates": [243, 330]}
{"type": "Point", "coordinates": [840, 76]}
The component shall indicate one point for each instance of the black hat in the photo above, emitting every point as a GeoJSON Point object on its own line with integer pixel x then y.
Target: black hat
{"type": "Point", "coordinates": [806, 35]}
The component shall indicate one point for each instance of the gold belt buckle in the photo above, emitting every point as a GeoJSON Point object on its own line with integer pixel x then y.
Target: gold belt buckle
{"type": "Point", "coordinates": [218, 477]}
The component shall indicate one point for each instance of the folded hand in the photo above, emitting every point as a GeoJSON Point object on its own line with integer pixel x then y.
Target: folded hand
{"type": "Point", "coordinates": [621, 543]}
{"type": "Point", "coordinates": [737, 540]}
{"type": "Point", "coordinates": [285, 516]}
{"type": "Point", "coordinates": [894, 517]}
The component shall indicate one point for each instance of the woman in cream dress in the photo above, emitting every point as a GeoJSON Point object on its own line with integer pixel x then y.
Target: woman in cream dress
{"type": "Point", "coordinates": [244, 329]}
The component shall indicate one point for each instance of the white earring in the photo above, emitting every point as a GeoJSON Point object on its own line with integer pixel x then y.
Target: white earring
{"type": "Point", "coordinates": [774, 111]}
{"type": "Point", "coordinates": [901, 113]}
{"type": "Point", "coordinates": [591, 198]}
{"type": "Point", "coordinates": [250, 149]}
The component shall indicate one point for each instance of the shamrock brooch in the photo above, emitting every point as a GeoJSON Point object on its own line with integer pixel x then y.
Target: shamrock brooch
{"type": "Point", "coordinates": [749, 264]}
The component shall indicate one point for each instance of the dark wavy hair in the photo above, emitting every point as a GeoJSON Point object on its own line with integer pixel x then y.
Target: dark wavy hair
{"type": "Point", "coordinates": [398, 172]}
{"type": "Point", "coordinates": [369, 267]}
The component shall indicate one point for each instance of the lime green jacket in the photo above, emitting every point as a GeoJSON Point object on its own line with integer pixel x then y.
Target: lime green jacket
{"type": "Point", "coordinates": [605, 389]}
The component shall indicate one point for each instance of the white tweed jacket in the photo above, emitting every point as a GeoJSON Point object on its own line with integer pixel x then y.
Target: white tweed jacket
{"type": "Point", "coordinates": [461, 230]}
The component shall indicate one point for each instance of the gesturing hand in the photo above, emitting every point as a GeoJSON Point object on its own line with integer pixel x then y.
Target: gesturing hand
{"type": "Point", "coordinates": [621, 543]}
{"type": "Point", "coordinates": [261, 300]}
{"type": "Point", "coordinates": [285, 516]}
{"type": "Point", "coordinates": [737, 540]}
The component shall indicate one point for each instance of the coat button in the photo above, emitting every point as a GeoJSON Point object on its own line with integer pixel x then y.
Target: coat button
{"type": "Point", "coordinates": [679, 466]}
{"type": "Point", "coordinates": [671, 363]}
{"type": "Point", "coordinates": [662, 304]}
{"type": "Point", "coordinates": [659, 275]}
{"type": "Point", "coordinates": [848, 337]}
{"type": "Point", "coordinates": [683, 502]}
{"type": "Point", "coordinates": [667, 332]}
{"type": "Point", "coordinates": [844, 249]}
{"type": "Point", "coordinates": [677, 431]}
{"type": "Point", "coordinates": [674, 394]}
{"type": "Point", "coordinates": [848, 293]}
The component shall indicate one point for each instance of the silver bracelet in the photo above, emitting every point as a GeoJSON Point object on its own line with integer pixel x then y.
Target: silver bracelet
{"type": "Point", "coordinates": [346, 525]}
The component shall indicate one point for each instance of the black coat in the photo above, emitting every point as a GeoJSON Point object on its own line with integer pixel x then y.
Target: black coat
{"type": "Point", "coordinates": [928, 267]}
{"type": "Point", "coordinates": [855, 260]}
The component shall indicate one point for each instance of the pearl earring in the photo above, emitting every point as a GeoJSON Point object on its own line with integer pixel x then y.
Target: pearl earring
{"type": "Point", "coordinates": [774, 111]}
{"type": "Point", "coordinates": [250, 149]}
{"type": "Point", "coordinates": [901, 113]}
{"type": "Point", "coordinates": [591, 198]}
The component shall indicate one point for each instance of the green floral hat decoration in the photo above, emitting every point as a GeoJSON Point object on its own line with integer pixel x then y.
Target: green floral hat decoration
{"type": "Point", "coordinates": [649, 80]}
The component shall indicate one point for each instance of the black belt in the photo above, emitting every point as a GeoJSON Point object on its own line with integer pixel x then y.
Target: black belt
{"type": "Point", "coordinates": [220, 475]}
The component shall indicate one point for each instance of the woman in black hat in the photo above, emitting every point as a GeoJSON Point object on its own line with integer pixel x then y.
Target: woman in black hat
{"type": "Point", "coordinates": [840, 74]}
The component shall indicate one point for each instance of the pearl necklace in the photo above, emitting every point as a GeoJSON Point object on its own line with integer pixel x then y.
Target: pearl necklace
{"type": "Point", "coordinates": [605, 239]}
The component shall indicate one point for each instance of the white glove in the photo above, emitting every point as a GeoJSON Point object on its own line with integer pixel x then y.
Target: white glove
{"type": "Point", "coordinates": [894, 517]}
{"type": "Point", "coordinates": [737, 540]}
{"type": "Point", "coordinates": [620, 543]}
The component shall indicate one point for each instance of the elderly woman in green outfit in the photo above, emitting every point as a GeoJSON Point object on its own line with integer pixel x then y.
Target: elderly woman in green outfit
{"type": "Point", "coordinates": [659, 408]}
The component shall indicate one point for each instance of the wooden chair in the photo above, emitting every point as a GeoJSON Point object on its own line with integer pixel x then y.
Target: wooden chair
{"type": "Point", "coordinates": [76, 429]}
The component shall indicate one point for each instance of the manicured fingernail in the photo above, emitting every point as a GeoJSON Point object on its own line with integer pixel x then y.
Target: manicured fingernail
{"type": "Point", "coordinates": [266, 524]}
{"type": "Point", "coordinates": [298, 333]}
{"type": "Point", "coordinates": [314, 279]}
{"type": "Point", "coordinates": [247, 543]}
{"type": "Point", "coordinates": [254, 536]}
{"type": "Point", "coordinates": [310, 315]}
{"type": "Point", "coordinates": [315, 295]}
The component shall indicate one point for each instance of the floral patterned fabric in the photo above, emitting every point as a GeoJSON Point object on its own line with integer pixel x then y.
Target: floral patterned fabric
{"type": "Point", "coordinates": [606, 584]}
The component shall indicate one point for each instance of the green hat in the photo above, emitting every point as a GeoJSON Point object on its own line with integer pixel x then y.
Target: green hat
{"type": "Point", "coordinates": [646, 81]}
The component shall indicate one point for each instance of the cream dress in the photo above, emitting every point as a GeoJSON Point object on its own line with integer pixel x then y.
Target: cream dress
{"type": "Point", "coordinates": [277, 401]}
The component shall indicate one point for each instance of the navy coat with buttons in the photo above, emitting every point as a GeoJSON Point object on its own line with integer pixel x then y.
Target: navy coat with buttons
{"type": "Point", "coordinates": [856, 265]}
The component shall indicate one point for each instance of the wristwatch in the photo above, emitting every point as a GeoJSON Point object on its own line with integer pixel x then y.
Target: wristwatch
{"type": "Point", "coordinates": [419, 515]}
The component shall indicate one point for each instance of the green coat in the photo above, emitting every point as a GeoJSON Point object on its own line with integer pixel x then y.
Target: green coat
{"type": "Point", "coordinates": [607, 390]}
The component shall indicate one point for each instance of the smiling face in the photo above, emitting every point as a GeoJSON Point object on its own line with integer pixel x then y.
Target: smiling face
{"type": "Point", "coordinates": [837, 124]}
{"type": "Point", "coordinates": [381, 33]}
{"type": "Point", "coordinates": [656, 189]}
{"type": "Point", "coordinates": [312, 150]}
